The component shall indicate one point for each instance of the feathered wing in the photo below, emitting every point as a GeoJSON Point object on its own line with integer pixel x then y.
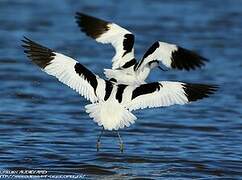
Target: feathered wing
{"type": "Point", "coordinates": [109, 33]}
{"type": "Point", "coordinates": [166, 93]}
{"type": "Point", "coordinates": [172, 56]}
{"type": "Point", "coordinates": [65, 69]}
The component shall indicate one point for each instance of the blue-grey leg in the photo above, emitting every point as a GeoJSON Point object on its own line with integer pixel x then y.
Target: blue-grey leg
{"type": "Point", "coordinates": [99, 140]}
{"type": "Point", "coordinates": [121, 145]}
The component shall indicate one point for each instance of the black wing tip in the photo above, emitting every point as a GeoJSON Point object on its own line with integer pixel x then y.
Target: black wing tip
{"type": "Point", "coordinates": [25, 38]}
{"type": "Point", "coordinates": [79, 15]}
{"type": "Point", "coordinates": [37, 53]}
{"type": "Point", "coordinates": [26, 41]}
{"type": "Point", "coordinates": [184, 59]}
{"type": "Point", "coordinates": [195, 92]}
{"type": "Point", "coordinates": [90, 25]}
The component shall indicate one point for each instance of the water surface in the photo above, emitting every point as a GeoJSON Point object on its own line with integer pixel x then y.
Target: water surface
{"type": "Point", "coordinates": [43, 124]}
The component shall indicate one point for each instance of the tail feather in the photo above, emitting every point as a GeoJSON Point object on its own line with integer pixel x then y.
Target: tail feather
{"type": "Point", "coordinates": [110, 115]}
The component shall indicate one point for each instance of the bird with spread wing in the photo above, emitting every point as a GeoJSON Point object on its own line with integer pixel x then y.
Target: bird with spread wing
{"type": "Point", "coordinates": [125, 68]}
{"type": "Point", "coordinates": [111, 104]}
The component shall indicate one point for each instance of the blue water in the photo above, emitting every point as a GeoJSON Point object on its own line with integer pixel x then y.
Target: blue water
{"type": "Point", "coordinates": [43, 124]}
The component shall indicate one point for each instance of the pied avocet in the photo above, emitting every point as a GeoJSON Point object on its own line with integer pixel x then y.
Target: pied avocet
{"type": "Point", "coordinates": [111, 104]}
{"type": "Point", "coordinates": [125, 68]}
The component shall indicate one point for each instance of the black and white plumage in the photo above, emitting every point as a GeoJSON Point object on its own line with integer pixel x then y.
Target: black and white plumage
{"type": "Point", "coordinates": [105, 32]}
{"type": "Point", "coordinates": [125, 68]}
{"type": "Point", "coordinates": [111, 103]}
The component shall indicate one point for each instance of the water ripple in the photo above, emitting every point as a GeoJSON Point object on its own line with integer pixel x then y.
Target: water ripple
{"type": "Point", "coordinates": [44, 124]}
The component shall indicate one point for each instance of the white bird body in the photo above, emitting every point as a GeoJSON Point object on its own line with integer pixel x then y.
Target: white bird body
{"type": "Point", "coordinates": [110, 114]}
{"type": "Point", "coordinates": [127, 76]}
